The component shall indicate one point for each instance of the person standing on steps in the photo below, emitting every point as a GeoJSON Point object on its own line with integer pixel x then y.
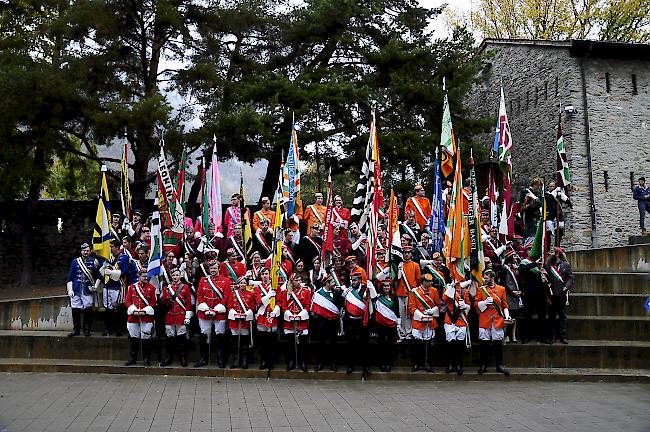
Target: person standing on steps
{"type": "Point", "coordinates": [140, 301]}
{"type": "Point", "coordinates": [177, 297]}
{"type": "Point", "coordinates": [560, 278]}
{"type": "Point", "coordinates": [240, 318]}
{"type": "Point", "coordinates": [492, 304]}
{"type": "Point", "coordinates": [641, 193]}
{"type": "Point", "coordinates": [115, 270]}
{"type": "Point", "coordinates": [424, 307]}
{"type": "Point", "coordinates": [267, 315]}
{"type": "Point", "coordinates": [83, 281]}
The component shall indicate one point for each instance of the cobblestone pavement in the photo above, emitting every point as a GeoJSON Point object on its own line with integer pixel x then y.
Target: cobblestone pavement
{"type": "Point", "coordinates": [80, 402]}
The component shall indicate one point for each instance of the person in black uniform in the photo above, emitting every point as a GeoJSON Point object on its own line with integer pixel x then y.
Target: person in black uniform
{"type": "Point", "coordinates": [386, 319]}
{"type": "Point", "coordinates": [326, 306]}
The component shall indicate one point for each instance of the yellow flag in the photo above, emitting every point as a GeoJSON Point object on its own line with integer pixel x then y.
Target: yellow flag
{"type": "Point", "coordinates": [102, 233]}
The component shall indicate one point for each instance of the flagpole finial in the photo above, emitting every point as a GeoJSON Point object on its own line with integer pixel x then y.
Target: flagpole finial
{"type": "Point", "coordinates": [104, 168]}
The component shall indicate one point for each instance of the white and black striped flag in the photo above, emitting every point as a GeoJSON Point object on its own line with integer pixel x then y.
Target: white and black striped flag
{"type": "Point", "coordinates": [364, 196]}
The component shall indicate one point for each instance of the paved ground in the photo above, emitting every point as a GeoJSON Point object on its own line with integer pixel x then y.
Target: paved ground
{"type": "Point", "coordinates": [80, 402]}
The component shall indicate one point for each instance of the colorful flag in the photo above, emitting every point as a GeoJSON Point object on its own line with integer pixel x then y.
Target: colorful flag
{"type": "Point", "coordinates": [506, 224]}
{"type": "Point", "coordinates": [454, 248]}
{"type": "Point", "coordinates": [437, 219]}
{"type": "Point", "coordinates": [177, 206]}
{"type": "Point", "coordinates": [497, 134]}
{"type": "Point", "coordinates": [277, 240]}
{"type": "Point", "coordinates": [102, 232]}
{"type": "Point", "coordinates": [477, 257]}
{"type": "Point", "coordinates": [245, 221]}
{"type": "Point", "coordinates": [447, 140]}
{"type": "Point", "coordinates": [204, 219]}
{"type": "Point", "coordinates": [291, 174]}
{"type": "Point", "coordinates": [563, 177]}
{"type": "Point", "coordinates": [363, 197]}
{"type": "Point", "coordinates": [165, 190]}
{"type": "Point", "coordinates": [395, 256]}
{"type": "Point", "coordinates": [493, 195]}
{"type": "Point", "coordinates": [155, 254]}
{"type": "Point", "coordinates": [216, 215]}
{"type": "Point", "coordinates": [328, 232]}
{"type": "Point", "coordinates": [538, 248]}
{"type": "Point", "coordinates": [125, 192]}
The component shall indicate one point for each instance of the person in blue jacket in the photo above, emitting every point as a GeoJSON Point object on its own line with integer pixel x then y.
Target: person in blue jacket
{"type": "Point", "coordinates": [83, 281]}
{"type": "Point", "coordinates": [116, 271]}
{"type": "Point", "coordinates": [641, 193]}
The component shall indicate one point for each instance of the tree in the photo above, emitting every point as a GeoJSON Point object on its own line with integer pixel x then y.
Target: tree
{"type": "Point", "coordinates": [612, 20]}
{"type": "Point", "coordinates": [331, 63]}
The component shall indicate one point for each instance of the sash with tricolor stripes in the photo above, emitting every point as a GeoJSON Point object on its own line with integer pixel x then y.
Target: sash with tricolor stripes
{"type": "Point", "coordinates": [240, 301]}
{"type": "Point", "coordinates": [260, 238]}
{"type": "Point", "coordinates": [233, 275]}
{"type": "Point", "coordinates": [140, 294]}
{"type": "Point", "coordinates": [557, 275]}
{"type": "Point", "coordinates": [496, 299]}
{"type": "Point", "coordinates": [294, 297]}
{"type": "Point", "coordinates": [237, 248]}
{"type": "Point", "coordinates": [420, 296]}
{"type": "Point", "coordinates": [215, 288]}
{"type": "Point", "coordinates": [323, 304]}
{"type": "Point", "coordinates": [438, 275]}
{"type": "Point", "coordinates": [385, 314]}
{"type": "Point", "coordinates": [175, 297]}
{"type": "Point", "coordinates": [318, 248]}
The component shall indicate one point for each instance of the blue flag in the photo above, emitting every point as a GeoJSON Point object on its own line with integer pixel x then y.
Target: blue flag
{"type": "Point", "coordinates": [646, 305]}
{"type": "Point", "coordinates": [437, 219]}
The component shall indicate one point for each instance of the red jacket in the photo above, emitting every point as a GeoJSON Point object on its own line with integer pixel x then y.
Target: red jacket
{"type": "Point", "coordinates": [180, 307]}
{"type": "Point", "coordinates": [289, 307]}
{"type": "Point", "coordinates": [238, 267]}
{"type": "Point", "coordinates": [248, 298]}
{"type": "Point", "coordinates": [211, 293]}
{"type": "Point", "coordinates": [263, 311]}
{"type": "Point", "coordinates": [135, 302]}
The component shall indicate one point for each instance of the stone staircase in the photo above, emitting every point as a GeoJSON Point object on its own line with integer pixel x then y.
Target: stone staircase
{"type": "Point", "coordinates": [608, 330]}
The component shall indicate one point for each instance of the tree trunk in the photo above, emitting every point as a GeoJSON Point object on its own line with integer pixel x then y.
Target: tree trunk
{"type": "Point", "coordinates": [271, 179]}
{"type": "Point", "coordinates": [28, 220]}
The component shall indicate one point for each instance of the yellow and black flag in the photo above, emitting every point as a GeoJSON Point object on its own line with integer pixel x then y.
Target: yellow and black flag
{"type": "Point", "coordinates": [102, 232]}
{"type": "Point", "coordinates": [245, 223]}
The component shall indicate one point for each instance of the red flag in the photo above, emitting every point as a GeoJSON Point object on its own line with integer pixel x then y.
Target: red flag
{"type": "Point", "coordinates": [328, 232]}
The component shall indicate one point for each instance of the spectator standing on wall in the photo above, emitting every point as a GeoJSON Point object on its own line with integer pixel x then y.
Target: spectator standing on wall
{"type": "Point", "coordinates": [641, 193]}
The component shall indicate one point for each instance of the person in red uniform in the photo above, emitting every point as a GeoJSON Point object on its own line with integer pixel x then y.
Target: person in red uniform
{"type": "Point", "coordinates": [295, 302]}
{"type": "Point", "coordinates": [492, 305]}
{"type": "Point", "coordinates": [424, 307]}
{"type": "Point", "coordinates": [341, 215]}
{"type": "Point", "coordinates": [231, 268]}
{"type": "Point", "coordinates": [140, 301]}
{"type": "Point", "coordinates": [177, 298]}
{"type": "Point", "coordinates": [456, 296]}
{"type": "Point", "coordinates": [268, 312]}
{"type": "Point", "coordinates": [211, 299]}
{"type": "Point", "coordinates": [240, 320]}
{"type": "Point", "coordinates": [386, 319]}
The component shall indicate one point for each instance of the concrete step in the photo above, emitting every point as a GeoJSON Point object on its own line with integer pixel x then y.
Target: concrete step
{"type": "Point", "coordinates": [611, 283]}
{"type": "Point", "coordinates": [579, 353]}
{"type": "Point", "coordinates": [609, 328]}
{"type": "Point", "coordinates": [397, 374]}
{"type": "Point", "coordinates": [634, 258]}
{"type": "Point", "coordinates": [630, 305]}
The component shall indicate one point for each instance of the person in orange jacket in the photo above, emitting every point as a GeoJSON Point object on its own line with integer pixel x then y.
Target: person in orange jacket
{"type": "Point", "coordinates": [492, 305]}
{"type": "Point", "coordinates": [409, 277]}
{"type": "Point", "coordinates": [420, 205]}
{"type": "Point", "coordinates": [424, 307]}
{"type": "Point", "coordinates": [456, 297]}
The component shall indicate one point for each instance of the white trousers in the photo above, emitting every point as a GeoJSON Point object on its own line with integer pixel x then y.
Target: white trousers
{"type": "Point", "coordinates": [109, 298]}
{"type": "Point", "coordinates": [426, 334]}
{"type": "Point", "coordinates": [80, 301]}
{"type": "Point", "coordinates": [405, 324]}
{"type": "Point", "coordinates": [142, 330]}
{"type": "Point", "coordinates": [175, 330]}
{"type": "Point", "coordinates": [454, 332]}
{"type": "Point", "coordinates": [207, 326]}
{"type": "Point", "coordinates": [493, 334]}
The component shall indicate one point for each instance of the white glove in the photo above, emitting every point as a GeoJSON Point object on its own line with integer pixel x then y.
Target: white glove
{"type": "Point", "coordinates": [186, 322]}
{"type": "Point", "coordinates": [482, 305]}
{"type": "Point", "coordinates": [371, 290]}
{"type": "Point", "coordinates": [70, 290]}
{"type": "Point", "coordinates": [434, 311]}
{"type": "Point", "coordinates": [275, 312]}
{"type": "Point", "coordinates": [506, 314]}
{"type": "Point", "coordinates": [484, 237]}
{"type": "Point", "coordinates": [210, 313]}
{"type": "Point", "coordinates": [131, 309]}
{"type": "Point", "coordinates": [114, 274]}
{"type": "Point", "coordinates": [450, 291]}
{"type": "Point", "coordinates": [249, 315]}
{"type": "Point", "coordinates": [202, 307]}
{"type": "Point", "coordinates": [220, 308]}
{"type": "Point", "coordinates": [304, 315]}
{"type": "Point", "coordinates": [500, 250]}
{"type": "Point", "coordinates": [231, 314]}
{"type": "Point", "coordinates": [188, 315]}
{"type": "Point", "coordinates": [102, 270]}
{"type": "Point", "coordinates": [419, 316]}
{"type": "Point", "coordinates": [465, 284]}
{"type": "Point", "coordinates": [271, 293]}
{"type": "Point", "coordinates": [489, 300]}
{"type": "Point", "coordinates": [148, 310]}
{"type": "Point", "coordinates": [96, 286]}
{"type": "Point", "coordinates": [266, 299]}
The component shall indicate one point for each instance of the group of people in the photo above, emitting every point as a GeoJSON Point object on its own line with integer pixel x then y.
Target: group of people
{"type": "Point", "coordinates": [207, 286]}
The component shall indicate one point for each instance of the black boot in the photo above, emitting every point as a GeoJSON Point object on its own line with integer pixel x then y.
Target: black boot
{"type": "Point", "coordinates": [88, 320]}
{"type": "Point", "coordinates": [133, 355]}
{"type": "Point", "coordinates": [262, 338]}
{"type": "Point", "coordinates": [76, 323]}
{"type": "Point", "coordinates": [498, 357]}
{"type": "Point", "coordinates": [483, 356]}
{"type": "Point", "coordinates": [460, 355]}
{"type": "Point", "coordinates": [203, 351]}
{"type": "Point", "coordinates": [181, 343]}
{"type": "Point", "coordinates": [108, 322]}
{"type": "Point", "coordinates": [302, 352]}
{"type": "Point", "coordinates": [169, 350]}
{"type": "Point", "coordinates": [416, 354]}
{"type": "Point", "coordinates": [222, 341]}
{"type": "Point", "coordinates": [244, 357]}
{"type": "Point", "coordinates": [146, 352]}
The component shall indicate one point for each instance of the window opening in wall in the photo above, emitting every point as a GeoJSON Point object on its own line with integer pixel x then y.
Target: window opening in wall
{"type": "Point", "coordinates": [545, 90]}
{"type": "Point", "coordinates": [557, 86]}
{"type": "Point", "coordinates": [635, 89]}
{"type": "Point", "coordinates": [607, 87]}
{"type": "Point", "coordinates": [606, 178]}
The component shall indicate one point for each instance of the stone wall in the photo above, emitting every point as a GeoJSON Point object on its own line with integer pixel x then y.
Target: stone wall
{"type": "Point", "coordinates": [538, 78]}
